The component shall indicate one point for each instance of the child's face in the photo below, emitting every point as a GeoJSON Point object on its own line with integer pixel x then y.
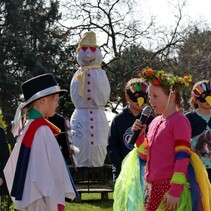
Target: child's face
{"type": "Point", "coordinates": [157, 99]}
{"type": "Point", "coordinates": [203, 105]}
{"type": "Point", "coordinates": [51, 104]}
{"type": "Point", "coordinates": [133, 105]}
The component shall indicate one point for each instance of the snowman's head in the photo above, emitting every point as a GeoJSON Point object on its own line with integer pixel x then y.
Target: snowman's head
{"type": "Point", "coordinates": [88, 52]}
{"type": "Point", "coordinates": [89, 56]}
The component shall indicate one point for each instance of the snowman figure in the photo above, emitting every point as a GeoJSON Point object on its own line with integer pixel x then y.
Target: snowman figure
{"type": "Point", "coordinates": [89, 91]}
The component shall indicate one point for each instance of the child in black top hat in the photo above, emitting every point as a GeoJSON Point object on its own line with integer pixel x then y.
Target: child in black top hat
{"type": "Point", "coordinates": [36, 173]}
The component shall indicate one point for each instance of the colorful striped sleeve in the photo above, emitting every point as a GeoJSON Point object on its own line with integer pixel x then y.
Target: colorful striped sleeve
{"type": "Point", "coordinates": [182, 149]}
{"type": "Point", "coordinates": [182, 156]}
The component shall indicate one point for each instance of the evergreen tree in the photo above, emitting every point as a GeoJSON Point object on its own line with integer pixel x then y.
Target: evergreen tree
{"type": "Point", "coordinates": [31, 43]}
{"type": "Point", "coordinates": [2, 122]}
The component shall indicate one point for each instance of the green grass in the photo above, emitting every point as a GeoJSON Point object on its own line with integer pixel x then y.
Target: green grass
{"type": "Point", "coordinates": [91, 202]}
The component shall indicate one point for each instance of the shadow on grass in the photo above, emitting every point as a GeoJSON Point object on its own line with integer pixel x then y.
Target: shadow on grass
{"type": "Point", "coordinates": [103, 204]}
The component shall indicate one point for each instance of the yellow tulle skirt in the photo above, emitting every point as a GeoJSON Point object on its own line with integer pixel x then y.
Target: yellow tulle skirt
{"type": "Point", "coordinates": [129, 187]}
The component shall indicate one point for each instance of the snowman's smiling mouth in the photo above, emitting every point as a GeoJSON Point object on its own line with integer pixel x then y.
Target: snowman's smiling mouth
{"type": "Point", "coordinates": [88, 62]}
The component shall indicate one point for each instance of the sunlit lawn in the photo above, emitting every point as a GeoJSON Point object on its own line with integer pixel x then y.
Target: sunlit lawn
{"type": "Point", "coordinates": [89, 202]}
{"type": "Point", "coordinates": [92, 202]}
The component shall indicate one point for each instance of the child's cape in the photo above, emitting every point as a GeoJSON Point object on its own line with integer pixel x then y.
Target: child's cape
{"type": "Point", "coordinates": [24, 154]}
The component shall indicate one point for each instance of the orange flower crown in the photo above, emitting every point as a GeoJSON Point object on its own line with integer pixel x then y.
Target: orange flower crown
{"type": "Point", "coordinates": [161, 78]}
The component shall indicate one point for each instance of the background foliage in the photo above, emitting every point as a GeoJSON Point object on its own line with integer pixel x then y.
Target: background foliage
{"type": "Point", "coordinates": [39, 36]}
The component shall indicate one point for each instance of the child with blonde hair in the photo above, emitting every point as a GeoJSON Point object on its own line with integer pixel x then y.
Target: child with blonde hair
{"type": "Point", "coordinates": [36, 174]}
{"type": "Point", "coordinates": [171, 167]}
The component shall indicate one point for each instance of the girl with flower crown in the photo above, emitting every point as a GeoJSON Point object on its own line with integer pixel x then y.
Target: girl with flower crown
{"type": "Point", "coordinates": [200, 120]}
{"type": "Point", "coordinates": [168, 137]}
{"type": "Point", "coordinates": [168, 175]}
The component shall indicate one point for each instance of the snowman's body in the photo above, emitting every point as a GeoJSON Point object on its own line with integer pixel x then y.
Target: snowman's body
{"type": "Point", "coordinates": [89, 91]}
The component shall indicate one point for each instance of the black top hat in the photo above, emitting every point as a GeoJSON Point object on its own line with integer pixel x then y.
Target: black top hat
{"type": "Point", "coordinates": [40, 86]}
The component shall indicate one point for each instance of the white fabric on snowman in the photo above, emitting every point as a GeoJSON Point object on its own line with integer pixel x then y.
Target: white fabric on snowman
{"type": "Point", "coordinates": [89, 91]}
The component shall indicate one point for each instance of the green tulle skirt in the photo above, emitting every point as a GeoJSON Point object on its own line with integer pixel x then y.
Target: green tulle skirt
{"type": "Point", "coordinates": [129, 187]}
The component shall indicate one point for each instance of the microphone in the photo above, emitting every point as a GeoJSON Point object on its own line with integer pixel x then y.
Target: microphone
{"type": "Point", "coordinates": [143, 118]}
